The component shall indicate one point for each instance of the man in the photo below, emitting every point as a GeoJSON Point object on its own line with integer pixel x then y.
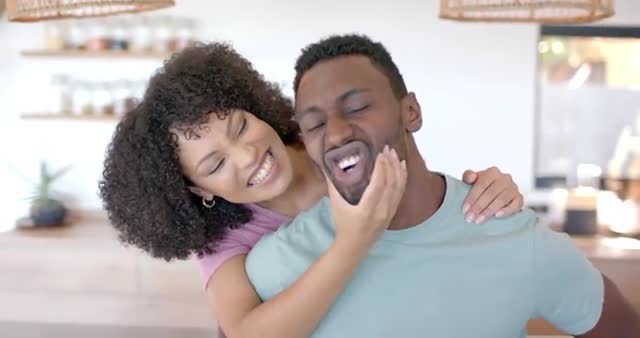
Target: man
{"type": "Point", "coordinates": [432, 274]}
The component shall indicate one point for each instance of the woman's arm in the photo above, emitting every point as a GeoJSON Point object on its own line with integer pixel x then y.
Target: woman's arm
{"type": "Point", "coordinates": [296, 311]}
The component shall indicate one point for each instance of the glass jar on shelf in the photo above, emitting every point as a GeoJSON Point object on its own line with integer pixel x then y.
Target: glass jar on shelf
{"type": "Point", "coordinates": [161, 27]}
{"type": "Point", "coordinates": [141, 36]}
{"type": "Point", "coordinates": [97, 38]}
{"type": "Point", "coordinates": [132, 100]}
{"type": "Point", "coordinates": [172, 40]}
{"type": "Point", "coordinates": [119, 33]}
{"type": "Point", "coordinates": [82, 98]}
{"type": "Point", "coordinates": [55, 36]}
{"type": "Point", "coordinates": [62, 94]}
{"type": "Point", "coordinates": [102, 101]}
{"type": "Point", "coordinates": [121, 94]}
{"type": "Point", "coordinates": [139, 87]}
{"type": "Point", "coordinates": [184, 34]}
{"type": "Point", "coordinates": [77, 37]}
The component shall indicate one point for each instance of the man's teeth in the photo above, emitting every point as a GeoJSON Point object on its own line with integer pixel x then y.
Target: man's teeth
{"type": "Point", "coordinates": [348, 162]}
{"type": "Point", "coordinates": [263, 172]}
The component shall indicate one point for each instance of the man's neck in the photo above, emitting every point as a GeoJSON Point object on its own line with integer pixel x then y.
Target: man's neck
{"type": "Point", "coordinates": [423, 195]}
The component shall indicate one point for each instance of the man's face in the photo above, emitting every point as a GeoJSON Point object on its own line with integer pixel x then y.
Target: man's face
{"type": "Point", "coordinates": [347, 113]}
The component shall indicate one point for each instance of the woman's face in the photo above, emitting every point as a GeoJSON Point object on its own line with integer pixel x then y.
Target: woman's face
{"type": "Point", "coordinates": [237, 157]}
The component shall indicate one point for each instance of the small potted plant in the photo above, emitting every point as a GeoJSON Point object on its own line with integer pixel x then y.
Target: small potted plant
{"type": "Point", "coordinates": [45, 209]}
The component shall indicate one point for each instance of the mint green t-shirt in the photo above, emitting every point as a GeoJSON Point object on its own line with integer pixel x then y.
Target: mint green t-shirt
{"type": "Point", "coordinates": [443, 277]}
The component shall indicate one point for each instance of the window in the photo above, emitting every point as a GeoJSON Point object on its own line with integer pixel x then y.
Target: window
{"type": "Point", "coordinates": [588, 110]}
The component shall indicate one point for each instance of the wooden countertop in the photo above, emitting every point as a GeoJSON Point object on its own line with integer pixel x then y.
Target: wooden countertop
{"type": "Point", "coordinates": [602, 247]}
{"type": "Point", "coordinates": [93, 225]}
{"type": "Point", "coordinates": [81, 274]}
{"type": "Point", "coordinates": [65, 268]}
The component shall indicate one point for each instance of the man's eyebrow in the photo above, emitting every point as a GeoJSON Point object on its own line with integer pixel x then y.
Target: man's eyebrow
{"type": "Point", "coordinates": [298, 115]}
{"type": "Point", "coordinates": [352, 92]}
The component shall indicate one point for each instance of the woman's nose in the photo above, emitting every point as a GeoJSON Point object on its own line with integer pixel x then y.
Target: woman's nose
{"type": "Point", "coordinates": [247, 155]}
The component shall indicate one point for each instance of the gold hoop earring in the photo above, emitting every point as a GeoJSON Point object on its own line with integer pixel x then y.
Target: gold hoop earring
{"type": "Point", "coordinates": [208, 204]}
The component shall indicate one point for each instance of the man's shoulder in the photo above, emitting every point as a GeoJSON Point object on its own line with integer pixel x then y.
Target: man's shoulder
{"type": "Point", "coordinates": [307, 223]}
{"type": "Point", "coordinates": [279, 255]}
{"type": "Point", "coordinates": [457, 192]}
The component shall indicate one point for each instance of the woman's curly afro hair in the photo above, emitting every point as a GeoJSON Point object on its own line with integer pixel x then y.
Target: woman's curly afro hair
{"type": "Point", "coordinates": [142, 188]}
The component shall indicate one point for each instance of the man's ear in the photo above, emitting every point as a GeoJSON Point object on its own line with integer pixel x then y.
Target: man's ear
{"type": "Point", "coordinates": [411, 113]}
{"type": "Point", "coordinates": [201, 192]}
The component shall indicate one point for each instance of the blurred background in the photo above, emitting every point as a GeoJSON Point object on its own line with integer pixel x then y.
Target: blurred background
{"type": "Point", "coordinates": [557, 106]}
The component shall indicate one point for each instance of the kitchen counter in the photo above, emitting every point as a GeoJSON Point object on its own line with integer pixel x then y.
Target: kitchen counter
{"type": "Point", "coordinates": [618, 259]}
{"type": "Point", "coordinates": [81, 275]}
{"type": "Point", "coordinates": [609, 248]}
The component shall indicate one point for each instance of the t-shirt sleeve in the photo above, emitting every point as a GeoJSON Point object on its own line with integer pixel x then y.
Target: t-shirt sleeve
{"type": "Point", "coordinates": [568, 289]}
{"type": "Point", "coordinates": [227, 248]}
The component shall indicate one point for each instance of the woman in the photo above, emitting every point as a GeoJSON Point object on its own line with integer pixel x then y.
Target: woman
{"type": "Point", "coordinates": [211, 161]}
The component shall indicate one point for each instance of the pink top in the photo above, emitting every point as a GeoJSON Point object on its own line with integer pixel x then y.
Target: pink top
{"type": "Point", "coordinates": [240, 240]}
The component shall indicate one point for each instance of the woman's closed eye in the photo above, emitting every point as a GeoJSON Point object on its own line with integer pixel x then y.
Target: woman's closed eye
{"type": "Point", "coordinates": [217, 167]}
{"type": "Point", "coordinates": [243, 127]}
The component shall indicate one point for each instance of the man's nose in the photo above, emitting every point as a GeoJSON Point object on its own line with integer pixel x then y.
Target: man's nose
{"type": "Point", "coordinates": [338, 132]}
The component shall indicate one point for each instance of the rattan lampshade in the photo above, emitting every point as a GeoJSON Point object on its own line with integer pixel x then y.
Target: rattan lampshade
{"type": "Point", "coordinates": [542, 11]}
{"type": "Point", "coordinates": [38, 10]}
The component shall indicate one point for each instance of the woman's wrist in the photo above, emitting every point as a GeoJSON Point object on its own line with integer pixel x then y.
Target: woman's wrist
{"type": "Point", "coordinates": [350, 249]}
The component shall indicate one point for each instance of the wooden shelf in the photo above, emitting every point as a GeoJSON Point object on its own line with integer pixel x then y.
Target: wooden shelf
{"type": "Point", "coordinates": [110, 54]}
{"type": "Point", "coordinates": [67, 117]}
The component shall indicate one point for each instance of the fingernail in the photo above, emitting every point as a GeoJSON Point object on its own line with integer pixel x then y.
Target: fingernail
{"type": "Point", "coordinates": [465, 208]}
{"type": "Point", "coordinates": [404, 164]}
{"type": "Point", "coordinates": [470, 218]}
{"type": "Point", "coordinates": [481, 219]}
{"type": "Point", "coordinates": [500, 213]}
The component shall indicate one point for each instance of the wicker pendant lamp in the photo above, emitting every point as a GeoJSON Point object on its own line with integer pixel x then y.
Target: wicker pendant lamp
{"type": "Point", "coordinates": [39, 10]}
{"type": "Point", "coordinates": [541, 11]}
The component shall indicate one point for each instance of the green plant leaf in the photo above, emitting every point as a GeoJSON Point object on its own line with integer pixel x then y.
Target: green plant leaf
{"type": "Point", "coordinates": [43, 168]}
{"type": "Point", "coordinates": [42, 188]}
{"type": "Point", "coordinates": [23, 176]}
{"type": "Point", "coordinates": [59, 173]}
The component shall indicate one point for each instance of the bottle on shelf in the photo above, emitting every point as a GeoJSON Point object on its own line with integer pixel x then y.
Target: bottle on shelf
{"type": "Point", "coordinates": [62, 94]}
{"type": "Point", "coordinates": [119, 35]}
{"type": "Point", "coordinates": [55, 36]}
{"type": "Point", "coordinates": [77, 37]}
{"type": "Point", "coordinates": [141, 36]}
{"type": "Point", "coordinates": [97, 40]}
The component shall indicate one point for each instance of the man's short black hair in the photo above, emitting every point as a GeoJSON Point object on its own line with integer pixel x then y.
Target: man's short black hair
{"type": "Point", "coordinates": [346, 45]}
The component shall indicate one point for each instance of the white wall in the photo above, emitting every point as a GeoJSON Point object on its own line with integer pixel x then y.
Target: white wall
{"type": "Point", "coordinates": [475, 82]}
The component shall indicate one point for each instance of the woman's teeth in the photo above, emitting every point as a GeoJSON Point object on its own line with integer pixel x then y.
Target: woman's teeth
{"type": "Point", "coordinates": [348, 162]}
{"type": "Point", "coordinates": [264, 171]}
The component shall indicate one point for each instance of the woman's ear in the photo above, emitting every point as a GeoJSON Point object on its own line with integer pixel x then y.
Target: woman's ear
{"type": "Point", "coordinates": [411, 113]}
{"type": "Point", "coordinates": [201, 192]}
